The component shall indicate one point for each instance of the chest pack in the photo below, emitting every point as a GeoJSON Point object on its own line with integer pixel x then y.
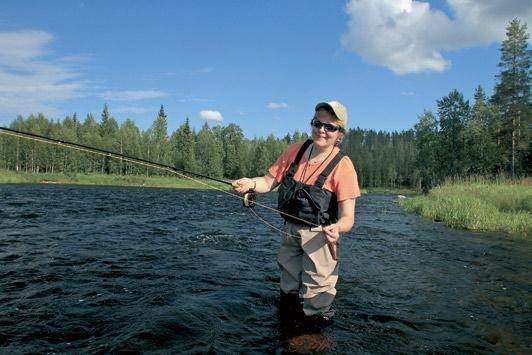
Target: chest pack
{"type": "Point", "coordinates": [310, 204]}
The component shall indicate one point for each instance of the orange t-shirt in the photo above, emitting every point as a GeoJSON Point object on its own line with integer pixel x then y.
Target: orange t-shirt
{"type": "Point", "coordinates": [342, 180]}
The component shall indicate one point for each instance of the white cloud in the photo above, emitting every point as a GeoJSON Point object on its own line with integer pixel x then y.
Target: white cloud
{"type": "Point", "coordinates": [277, 105]}
{"type": "Point", "coordinates": [19, 49]}
{"type": "Point", "coordinates": [407, 36]}
{"type": "Point", "coordinates": [29, 81]}
{"type": "Point", "coordinates": [209, 115]}
{"type": "Point", "coordinates": [132, 95]}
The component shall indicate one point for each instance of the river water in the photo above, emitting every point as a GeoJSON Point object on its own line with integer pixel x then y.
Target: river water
{"type": "Point", "coordinates": [112, 269]}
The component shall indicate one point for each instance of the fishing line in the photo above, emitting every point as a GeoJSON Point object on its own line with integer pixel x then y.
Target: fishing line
{"type": "Point", "coordinates": [247, 200]}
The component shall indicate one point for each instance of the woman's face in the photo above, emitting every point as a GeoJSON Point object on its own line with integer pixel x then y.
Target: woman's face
{"type": "Point", "coordinates": [321, 136]}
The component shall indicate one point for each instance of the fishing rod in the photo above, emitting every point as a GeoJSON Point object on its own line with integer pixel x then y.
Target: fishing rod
{"type": "Point", "coordinates": [103, 152]}
{"type": "Point", "coordinates": [248, 199]}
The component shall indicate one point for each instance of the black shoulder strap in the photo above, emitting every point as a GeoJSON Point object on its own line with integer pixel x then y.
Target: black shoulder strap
{"type": "Point", "coordinates": [328, 169]}
{"type": "Point", "coordinates": [299, 155]}
{"type": "Point", "coordinates": [292, 170]}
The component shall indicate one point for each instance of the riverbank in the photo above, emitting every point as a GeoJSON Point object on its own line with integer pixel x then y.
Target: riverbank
{"type": "Point", "coordinates": [480, 206]}
{"type": "Point", "coordinates": [12, 177]}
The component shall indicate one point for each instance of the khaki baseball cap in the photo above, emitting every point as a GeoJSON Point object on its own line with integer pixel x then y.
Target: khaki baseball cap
{"type": "Point", "coordinates": [335, 107]}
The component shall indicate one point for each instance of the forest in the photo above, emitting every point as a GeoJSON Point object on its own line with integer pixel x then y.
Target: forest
{"type": "Point", "coordinates": [488, 137]}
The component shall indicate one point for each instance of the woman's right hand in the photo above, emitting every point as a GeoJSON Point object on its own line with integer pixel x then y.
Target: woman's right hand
{"type": "Point", "coordinates": [243, 185]}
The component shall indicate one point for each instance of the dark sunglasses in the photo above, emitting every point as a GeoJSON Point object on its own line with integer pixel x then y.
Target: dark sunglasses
{"type": "Point", "coordinates": [327, 126]}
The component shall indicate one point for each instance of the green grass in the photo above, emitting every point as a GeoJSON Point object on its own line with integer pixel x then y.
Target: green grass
{"type": "Point", "coordinates": [478, 206]}
{"type": "Point", "coordinates": [11, 177]}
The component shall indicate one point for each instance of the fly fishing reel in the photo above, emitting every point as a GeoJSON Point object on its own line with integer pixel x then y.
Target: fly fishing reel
{"type": "Point", "coordinates": [249, 198]}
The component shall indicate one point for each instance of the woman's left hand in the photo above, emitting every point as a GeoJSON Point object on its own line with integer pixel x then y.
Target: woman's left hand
{"type": "Point", "coordinates": [332, 233]}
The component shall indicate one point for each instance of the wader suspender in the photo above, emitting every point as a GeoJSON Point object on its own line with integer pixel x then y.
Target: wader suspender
{"type": "Point", "coordinates": [323, 176]}
{"type": "Point", "coordinates": [293, 167]}
{"type": "Point", "coordinates": [321, 179]}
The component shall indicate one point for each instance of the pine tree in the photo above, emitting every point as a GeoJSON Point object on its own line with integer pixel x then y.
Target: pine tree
{"type": "Point", "coordinates": [261, 159]}
{"type": "Point", "coordinates": [233, 149]}
{"type": "Point", "coordinates": [183, 142]}
{"type": "Point", "coordinates": [453, 113]}
{"type": "Point", "coordinates": [479, 138]}
{"type": "Point", "coordinates": [108, 133]}
{"type": "Point", "coordinates": [427, 143]}
{"type": "Point", "coordinates": [208, 153]}
{"type": "Point", "coordinates": [89, 135]}
{"type": "Point", "coordinates": [513, 97]}
{"type": "Point", "coordinates": [130, 145]}
{"type": "Point", "coordinates": [160, 138]}
{"type": "Point", "coordinates": [68, 131]}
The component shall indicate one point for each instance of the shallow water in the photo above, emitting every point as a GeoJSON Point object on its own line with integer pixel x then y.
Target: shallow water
{"type": "Point", "coordinates": [108, 269]}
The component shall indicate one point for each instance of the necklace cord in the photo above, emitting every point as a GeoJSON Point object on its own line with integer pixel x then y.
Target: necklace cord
{"type": "Point", "coordinates": [317, 169]}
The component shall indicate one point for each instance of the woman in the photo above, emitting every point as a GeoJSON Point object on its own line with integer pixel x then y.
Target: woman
{"type": "Point", "coordinates": [318, 187]}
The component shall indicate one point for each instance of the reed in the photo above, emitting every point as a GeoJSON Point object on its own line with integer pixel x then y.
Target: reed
{"type": "Point", "coordinates": [479, 205]}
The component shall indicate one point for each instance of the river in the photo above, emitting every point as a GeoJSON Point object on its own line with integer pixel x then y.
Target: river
{"type": "Point", "coordinates": [111, 269]}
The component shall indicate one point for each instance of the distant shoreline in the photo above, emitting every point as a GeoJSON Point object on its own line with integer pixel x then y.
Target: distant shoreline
{"type": "Point", "coordinates": [12, 177]}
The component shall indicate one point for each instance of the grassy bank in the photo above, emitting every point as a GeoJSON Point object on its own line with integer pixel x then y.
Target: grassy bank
{"type": "Point", "coordinates": [480, 206]}
{"type": "Point", "coordinates": [11, 177]}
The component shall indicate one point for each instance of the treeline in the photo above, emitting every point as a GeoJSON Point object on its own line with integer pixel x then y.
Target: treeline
{"type": "Point", "coordinates": [382, 159]}
{"type": "Point", "coordinates": [491, 137]}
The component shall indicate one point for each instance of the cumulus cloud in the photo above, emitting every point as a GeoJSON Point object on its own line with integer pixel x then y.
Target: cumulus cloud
{"type": "Point", "coordinates": [29, 80]}
{"type": "Point", "coordinates": [408, 36]}
{"type": "Point", "coordinates": [277, 105]}
{"type": "Point", "coordinates": [132, 95]}
{"type": "Point", "coordinates": [209, 115]}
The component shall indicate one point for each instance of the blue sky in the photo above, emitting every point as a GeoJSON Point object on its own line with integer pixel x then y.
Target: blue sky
{"type": "Point", "coordinates": [260, 64]}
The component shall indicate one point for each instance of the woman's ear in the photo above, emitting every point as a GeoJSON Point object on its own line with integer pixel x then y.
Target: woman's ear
{"type": "Point", "coordinates": [339, 139]}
